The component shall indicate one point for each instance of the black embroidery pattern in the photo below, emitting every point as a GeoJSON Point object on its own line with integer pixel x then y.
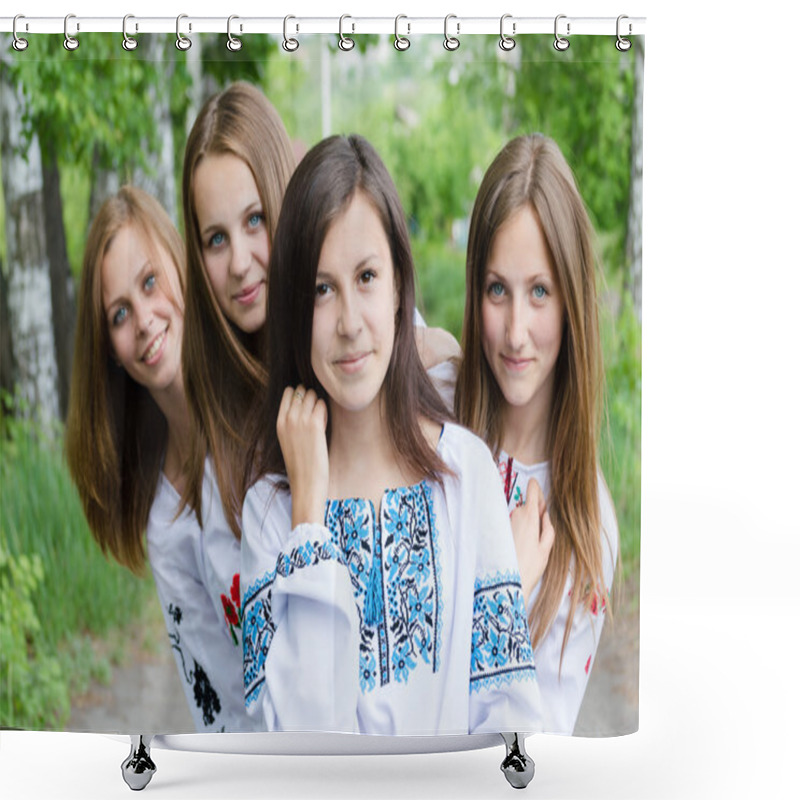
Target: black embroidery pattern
{"type": "Point", "coordinates": [205, 696]}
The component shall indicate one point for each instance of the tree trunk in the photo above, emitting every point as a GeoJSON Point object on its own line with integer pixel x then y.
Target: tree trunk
{"type": "Point", "coordinates": [159, 178]}
{"type": "Point", "coordinates": [62, 288]}
{"type": "Point", "coordinates": [30, 314]}
{"type": "Point", "coordinates": [6, 344]}
{"type": "Point", "coordinates": [105, 183]}
{"type": "Point", "coordinates": [633, 242]}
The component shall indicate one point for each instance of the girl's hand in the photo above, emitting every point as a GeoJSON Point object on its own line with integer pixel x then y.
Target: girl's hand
{"type": "Point", "coordinates": [435, 345]}
{"type": "Point", "coordinates": [533, 537]}
{"type": "Point", "coordinates": [302, 419]}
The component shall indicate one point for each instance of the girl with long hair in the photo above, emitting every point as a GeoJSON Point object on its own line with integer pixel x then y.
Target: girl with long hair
{"type": "Point", "coordinates": [237, 162]}
{"type": "Point", "coordinates": [128, 438]}
{"type": "Point", "coordinates": [381, 590]}
{"type": "Point", "coordinates": [531, 386]}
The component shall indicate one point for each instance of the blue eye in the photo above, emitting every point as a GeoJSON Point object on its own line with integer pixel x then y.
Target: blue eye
{"type": "Point", "coordinates": [119, 316]}
{"type": "Point", "coordinates": [216, 239]}
{"type": "Point", "coordinates": [539, 292]}
{"type": "Point", "coordinates": [150, 282]}
{"type": "Point", "coordinates": [495, 289]}
{"type": "Point", "coordinates": [255, 219]}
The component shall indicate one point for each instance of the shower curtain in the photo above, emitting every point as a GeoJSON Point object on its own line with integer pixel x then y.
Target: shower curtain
{"type": "Point", "coordinates": [86, 645]}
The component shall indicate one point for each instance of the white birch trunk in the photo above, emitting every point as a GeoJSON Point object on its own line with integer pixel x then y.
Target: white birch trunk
{"type": "Point", "coordinates": [633, 243]}
{"type": "Point", "coordinates": [30, 313]}
{"type": "Point", "coordinates": [159, 179]}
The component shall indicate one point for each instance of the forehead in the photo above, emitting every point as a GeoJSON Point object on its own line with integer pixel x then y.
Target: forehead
{"type": "Point", "coordinates": [356, 233]}
{"type": "Point", "coordinates": [223, 183]}
{"type": "Point", "coordinates": [519, 246]}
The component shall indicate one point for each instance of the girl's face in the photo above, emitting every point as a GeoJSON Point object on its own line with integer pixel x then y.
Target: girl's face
{"type": "Point", "coordinates": [354, 308]}
{"type": "Point", "coordinates": [233, 238]}
{"type": "Point", "coordinates": [145, 326]}
{"type": "Point", "coordinates": [522, 312]}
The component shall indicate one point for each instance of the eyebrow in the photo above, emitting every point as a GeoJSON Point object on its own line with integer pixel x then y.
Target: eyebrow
{"type": "Point", "coordinates": [322, 274]}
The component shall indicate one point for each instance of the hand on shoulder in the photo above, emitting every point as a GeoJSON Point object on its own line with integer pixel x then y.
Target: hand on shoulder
{"type": "Point", "coordinates": [436, 345]}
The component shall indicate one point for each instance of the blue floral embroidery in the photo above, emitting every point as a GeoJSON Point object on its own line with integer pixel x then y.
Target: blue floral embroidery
{"type": "Point", "coordinates": [501, 645]}
{"type": "Point", "coordinates": [393, 559]}
{"type": "Point", "coordinates": [258, 623]}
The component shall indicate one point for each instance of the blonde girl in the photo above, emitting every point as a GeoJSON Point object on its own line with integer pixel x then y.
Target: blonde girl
{"type": "Point", "coordinates": [128, 438]}
{"type": "Point", "coordinates": [530, 386]}
{"type": "Point", "coordinates": [237, 163]}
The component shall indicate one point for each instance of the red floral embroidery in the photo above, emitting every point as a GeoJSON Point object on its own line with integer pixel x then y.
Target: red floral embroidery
{"type": "Point", "coordinates": [598, 604]}
{"type": "Point", "coordinates": [232, 608]}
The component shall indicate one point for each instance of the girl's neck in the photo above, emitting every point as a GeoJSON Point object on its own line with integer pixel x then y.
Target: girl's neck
{"type": "Point", "coordinates": [363, 459]}
{"type": "Point", "coordinates": [172, 402]}
{"type": "Point", "coordinates": [526, 432]}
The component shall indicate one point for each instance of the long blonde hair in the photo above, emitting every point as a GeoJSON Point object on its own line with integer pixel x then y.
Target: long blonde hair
{"type": "Point", "coordinates": [530, 170]}
{"type": "Point", "coordinates": [222, 365]}
{"type": "Point", "coordinates": [116, 435]}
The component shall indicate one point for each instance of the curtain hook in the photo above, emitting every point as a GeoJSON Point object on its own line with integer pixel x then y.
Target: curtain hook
{"type": "Point", "coordinates": [182, 42]}
{"type": "Point", "coordinates": [507, 43]}
{"type": "Point", "coordinates": [560, 43]}
{"type": "Point", "coordinates": [289, 45]}
{"type": "Point", "coordinates": [345, 42]}
{"type": "Point", "coordinates": [70, 42]}
{"type": "Point", "coordinates": [401, 42]}
{"type": "Point", "coordinates": [19, 44]}
{"type": "Point", "coordinates": [233, 44]}
{"type": "Point", "coordinates": [128, 42]}
{"type": "Point", "coordinates": [622, 43]}
{"type": "Point", "coordinates": [451, 42]}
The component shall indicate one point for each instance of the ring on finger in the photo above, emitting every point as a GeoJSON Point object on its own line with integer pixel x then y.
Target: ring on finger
{"type": "Point", "coordinates": [300, 395]}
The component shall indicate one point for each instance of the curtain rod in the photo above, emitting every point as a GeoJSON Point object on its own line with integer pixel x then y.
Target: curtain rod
{"type": "Point", "coordinates": [75, 25]}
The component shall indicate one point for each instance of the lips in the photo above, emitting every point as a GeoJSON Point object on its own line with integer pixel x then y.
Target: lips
{"type": "Point", "coordinates": [516, 364]}
{"type": "Point", "coordinates": [249, 294]}
{"type": "Point", "coordinates": [153, 352]}
{"type": "Point", "coordinates": [352, 362]}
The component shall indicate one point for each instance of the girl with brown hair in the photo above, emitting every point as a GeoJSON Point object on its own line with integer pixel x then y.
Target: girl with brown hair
{"type": "Point", "coordinates": [237, 163]}
{"type": "Point", "coordinates": [381, 587]}
{"type": "Point", "coordinates": [530, 385]}
{"type": "Point", "coordinates": [128, 438]}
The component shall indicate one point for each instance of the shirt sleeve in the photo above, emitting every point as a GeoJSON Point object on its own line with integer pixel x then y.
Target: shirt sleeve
{"type": "Point", "coordinates": [300, 622]}
{"type": "Point", "coordinates": [503, 692]}
{"type": "Point", "coordinates": [204, 654]}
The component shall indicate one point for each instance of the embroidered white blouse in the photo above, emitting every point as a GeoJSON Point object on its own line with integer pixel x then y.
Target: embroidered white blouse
{"type": "Point", "coordinates": [562, 695]}
{"type": "Point", "coordinates": [407, 619]}
{"type": "Point", "coordinates": [196, 572]}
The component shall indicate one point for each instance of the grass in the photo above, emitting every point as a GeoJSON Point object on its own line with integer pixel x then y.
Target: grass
{"type": "Point", "coordinates": [79, 595]}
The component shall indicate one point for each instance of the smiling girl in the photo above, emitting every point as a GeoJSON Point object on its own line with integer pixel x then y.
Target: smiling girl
{"type": "Point", "coordinates": [381, 587]}
{"type": "Point", "coordinates": [530, 386]}
{"type": "Point", "coordinates": [237, 163]}
{"type": "Point", "coordinates": [128, 438]}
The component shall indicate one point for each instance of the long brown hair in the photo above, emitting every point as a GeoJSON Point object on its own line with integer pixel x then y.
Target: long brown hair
{"type": "Point", "coordinates": [530, 170]}
{"type": "Point", "coordinates": [222, 365]}
{"type": "Point", "coordinates": [321, 189]}
{"type": "Point", "coordinates": [116, 435]}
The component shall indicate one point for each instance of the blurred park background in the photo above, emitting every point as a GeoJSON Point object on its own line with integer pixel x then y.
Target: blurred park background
{"type": "Point", "coordinates": [75, 126]}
